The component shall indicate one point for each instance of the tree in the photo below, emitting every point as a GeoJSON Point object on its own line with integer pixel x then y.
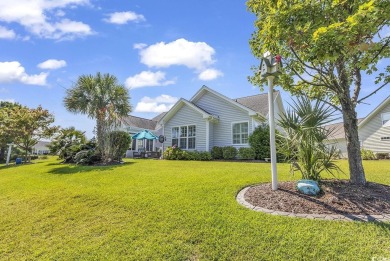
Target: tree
{"type": "Point", "coordinates": [326, 47]}
{"type": "Point", "coordinates": [100, 97]}
{"type": "Point", "coordinates": [28, 126]}
{"type": "Point", "coordinates": [65, 141]}
{"type": "Point", "coordinates": [6, 135]}
{"type": "Point", "coordinates": [303, 142]}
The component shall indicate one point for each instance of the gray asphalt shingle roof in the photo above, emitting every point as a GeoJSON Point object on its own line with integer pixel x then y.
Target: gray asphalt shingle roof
{"type": "Point", "coordinates": [257, 103]}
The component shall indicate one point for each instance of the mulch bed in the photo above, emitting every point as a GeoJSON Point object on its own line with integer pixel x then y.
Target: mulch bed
{"type": "Point", "coordinates": [336, 197]}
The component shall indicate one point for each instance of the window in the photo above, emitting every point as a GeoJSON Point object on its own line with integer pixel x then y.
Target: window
{"type": "Point", "coordinates": [386, 119]}
{"type": "Point", "coordinates": [175, 136]}
{"type": "Point", "coordinates": [191, 136]}
{"type": "Point", "coordinates": [385, 138]}
{"type": "Point", "coordinates": [184, 136]}
{"type": "Point", "coordinates": [240, 133]}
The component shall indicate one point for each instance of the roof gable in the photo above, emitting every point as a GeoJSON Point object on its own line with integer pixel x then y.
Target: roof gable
{"type": "Point", "coordinates": [375, 111]}
{"type": "Point", "coordinates": [178, 105]}
{"type": "Point", "coordinates": [206, 89]}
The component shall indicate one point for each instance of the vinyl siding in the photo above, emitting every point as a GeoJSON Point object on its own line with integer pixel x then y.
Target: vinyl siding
{"type": "Point", "coordinates": [371, 132]}
{"type": "Point", "coordinates": [228, 113]}
{"type": "Point", "coordinates": [187, 116]}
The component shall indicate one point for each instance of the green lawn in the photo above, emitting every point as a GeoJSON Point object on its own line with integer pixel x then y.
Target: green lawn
{"type": "Point", "coordinates": [166, 210]}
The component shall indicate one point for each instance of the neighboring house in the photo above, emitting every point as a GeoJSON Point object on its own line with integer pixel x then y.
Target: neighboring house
{"type": "Point", "coordinates": [41, 148]}
{"type": "Point", "coordinates": [374, 131]}
{"type": "Point", "coordinates": [211, 119]}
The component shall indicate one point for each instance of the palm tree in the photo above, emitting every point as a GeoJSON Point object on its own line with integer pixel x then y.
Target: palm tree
{"type": "Point", "coordinates": [305, 136]}
{"type": "Point", "coordinates": [63, 142]}
{"type": "Point", "coordinates": [100, 97]}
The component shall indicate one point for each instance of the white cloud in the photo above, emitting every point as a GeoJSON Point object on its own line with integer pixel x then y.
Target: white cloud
{"type": "Point", "coordinates": [194, 55]}
{"type": "Point", "coordinates": [39, 17]}
{"type": "Point", "coordinates": [158, 104]}
{"type": "Point", "coordinates": [15, 72]}
{"type": "Point", "coordinates": [52, 64]}
{"type": "Point", "coordinates": [6, 34]}
{"type": "Point", "coordinates": [139, 46]}
{"type": "Point", "coordinates": [147, 78]}
{"type": "Point", "coordinates": [124, 17]}
{"type": "Point", "coordinates": [209, 74]}
{"type": "Point", "coordinates": [8, 100]}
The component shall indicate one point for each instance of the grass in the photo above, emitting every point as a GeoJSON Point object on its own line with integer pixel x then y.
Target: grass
{"type": "Point", "coordinates": [167, 210]}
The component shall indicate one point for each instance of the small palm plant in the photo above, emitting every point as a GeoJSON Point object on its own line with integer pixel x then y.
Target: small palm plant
{"type": "Point", "coordinates": [305, 136]}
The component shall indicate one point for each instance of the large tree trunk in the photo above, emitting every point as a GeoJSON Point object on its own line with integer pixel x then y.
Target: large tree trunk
{"type": "Point", "coordinates": [100, 135]}
{"type": "Point", "coordinates": [356, 169]}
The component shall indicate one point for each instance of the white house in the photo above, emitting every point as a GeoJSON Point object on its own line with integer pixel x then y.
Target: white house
{"type": "Point", "coordinates": [209, 119]}
{"type": "Point", "coordinates": [374, 130]}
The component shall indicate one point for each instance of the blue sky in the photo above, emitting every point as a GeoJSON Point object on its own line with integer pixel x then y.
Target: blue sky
{"type": "Point", "coordinates": [160, 49]}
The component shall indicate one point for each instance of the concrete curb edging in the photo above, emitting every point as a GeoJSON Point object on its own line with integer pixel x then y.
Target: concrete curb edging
{"type": "Point", "coordinates": [347, 217]}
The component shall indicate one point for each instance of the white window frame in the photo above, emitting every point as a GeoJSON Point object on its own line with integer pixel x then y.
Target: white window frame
{"type": "Point", "coordinates": [383, 115]}
{"type": "Point", "coordinates": [239, 122]}
{"type": "Point", "coordinates": [187, 137]}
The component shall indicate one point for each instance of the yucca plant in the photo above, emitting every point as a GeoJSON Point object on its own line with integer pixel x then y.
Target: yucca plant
{"type": "Point", "coordinates": [304, 138]}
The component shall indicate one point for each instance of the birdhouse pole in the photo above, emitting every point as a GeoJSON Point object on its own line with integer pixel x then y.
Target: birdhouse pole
{"type": "Point", "coordinates": [270, 68]}
{"type": "Point", "coordinates": [9, 153]}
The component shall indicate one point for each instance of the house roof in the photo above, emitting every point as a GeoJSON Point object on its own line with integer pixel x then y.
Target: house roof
{"type": "Point", "coordinates": [337, 129]}
{"type": "Point", "coordinates": [179, 104]}
{"type": "Point", "coordinates": [138, 122]}
{"type": "Point", "coordinates": [257, 103]}
{"type": "Point", "coordinates": [204, 89]}
{"type": "Point", "coordinates": [159, 117]}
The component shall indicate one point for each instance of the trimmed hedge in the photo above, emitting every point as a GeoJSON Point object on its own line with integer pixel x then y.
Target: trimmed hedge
{"type": "Point", "coordinates": [217, 153]}
{"type": "Point", "coordinates": [179, 154]}
{"type": "Point", "coordinates": [229, 152]}
{"type": "Point", "coordinates": [246, 153]}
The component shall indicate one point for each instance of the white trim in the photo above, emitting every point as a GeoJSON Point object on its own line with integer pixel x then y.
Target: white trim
{"type": "Point", "coordinates": [376, 110]}
{"type": "Point", "coordinates": [177, 107]}
{"type": "Point", "coordinates": [207, 135]}
{"type": "Point", "coordinates": [231, 133]}
{"type": "Point", "coordinates": [204, 88]}
{"type": "Point", "coordinates": [387, 124]}
{"type": "Point", "coordinates": [178, 138]}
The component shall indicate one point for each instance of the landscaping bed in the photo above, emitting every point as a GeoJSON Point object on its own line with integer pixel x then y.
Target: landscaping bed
{"type": "Point", "coordinates": [336, 197]}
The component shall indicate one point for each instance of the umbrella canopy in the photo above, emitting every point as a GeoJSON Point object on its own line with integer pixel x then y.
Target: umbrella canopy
{"type": "Point", "coordinates": [144, 135]}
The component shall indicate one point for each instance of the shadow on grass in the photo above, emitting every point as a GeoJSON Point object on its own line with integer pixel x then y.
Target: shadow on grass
{"type": "Point", "coordinates": [66, 169]}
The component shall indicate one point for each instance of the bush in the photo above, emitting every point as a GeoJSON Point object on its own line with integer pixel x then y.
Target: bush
{"type": "Point", "coordinates": [174, 154]}
{"type": "Point", "coordinates": [367, 154]}
{"type": "Point", "coordinates": [246, 153]}
{"type": "Point", "coordinates": [86, 157]}
{"type": "Point", "coordinates": [178, 154]}
{"type": "Point", "coordinates": [259, 141]}
{"type": "Point", "coordinates": [217, 153]}
{"type": "Point", "coordinates": [229, 152]}
{"type": "Point", "coordinates": [382, 155]}
{"type": "Point", "coordinates": [120, 142]}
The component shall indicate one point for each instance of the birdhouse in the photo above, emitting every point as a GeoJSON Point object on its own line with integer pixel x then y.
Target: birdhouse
{"type": "Point", "coordinates": [270, 65]}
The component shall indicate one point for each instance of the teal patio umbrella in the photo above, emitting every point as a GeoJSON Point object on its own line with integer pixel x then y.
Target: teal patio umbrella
{"type": "Point", "coordinates": [144, 135]}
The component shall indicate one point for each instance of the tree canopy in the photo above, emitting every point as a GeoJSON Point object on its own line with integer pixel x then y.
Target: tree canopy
{"type": "Point", "coordinates": [327, 47]}
{"type": "Point", "coordinates": [100, 97]}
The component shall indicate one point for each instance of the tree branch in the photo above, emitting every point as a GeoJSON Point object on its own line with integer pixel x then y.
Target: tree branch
{"type": "Point", "coordinates": [380, 87]}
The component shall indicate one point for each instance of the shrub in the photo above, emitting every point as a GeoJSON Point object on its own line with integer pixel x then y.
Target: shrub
{"type": "Point", "coordinates": [178, 154]}
{"type": "Point", "coordinates": [246, 153]}
{"type": "Point", "coordinates": [86, 157]}
{"type": "Point", "coordinates": [367, 154]}
{"type": "Point", "coordinates": [120, 142]}
{"type": "Point", "coordinates": [229, 152]}
{"type": "Point", "coordinates": [174, 154]}
{"type": "Point", "coordinates": [305, 138]}
{"type": "Point", "coordinates": [382, 155]}
{"type": "Point", "coordinates": [216, 152]}
{"type": "Point", "coordinates": [259, 141]}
